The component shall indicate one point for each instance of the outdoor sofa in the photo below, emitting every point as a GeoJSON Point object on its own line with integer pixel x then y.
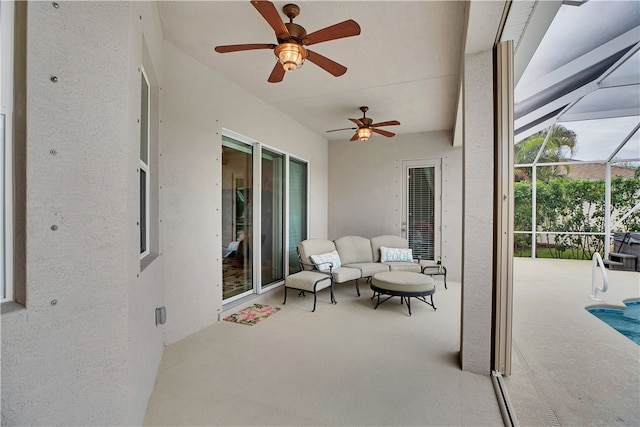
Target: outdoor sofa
{"type": "Point", "coordinates": [350, 258]}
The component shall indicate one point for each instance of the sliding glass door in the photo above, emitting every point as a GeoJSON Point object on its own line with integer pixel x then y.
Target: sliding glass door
{"type": "Point", "coordinates": [297, 210]}
{"type": "Point", "coordinates": [264, 215]}
{"type": "Point", "coordinates": [237, 218]}
{"type": "Point", "coordinates": [272, 221]}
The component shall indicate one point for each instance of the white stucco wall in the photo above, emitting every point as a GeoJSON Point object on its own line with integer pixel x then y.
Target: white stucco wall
{"type": "Point", "coordinates": [65, 355]}
{"type": "Point", "coordinates": [478, 260]}
{"type": "Point", "coordinates": [146, 281]}
{"type": "Point", "coordinates": [91, 358]}
{"type": "Point", "coordinates": [201, 105]}
{"type": "Point", "coordinates": [366, 184]}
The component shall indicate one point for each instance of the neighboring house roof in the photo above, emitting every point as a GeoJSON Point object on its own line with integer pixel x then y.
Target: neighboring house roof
{"type": "Point", "coordinates": [597, 170]}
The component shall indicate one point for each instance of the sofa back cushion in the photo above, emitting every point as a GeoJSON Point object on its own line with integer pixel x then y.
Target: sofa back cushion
{"type": "Point", "coordinates": [309, 247]}
{"type": "Point", "coordinates": [354, 249]}
{"type": "Point", "coordinates": [388, 241]}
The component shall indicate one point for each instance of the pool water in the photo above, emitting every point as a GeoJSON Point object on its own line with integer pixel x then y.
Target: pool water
{"type": "Point", "coordinates": [626, 321]}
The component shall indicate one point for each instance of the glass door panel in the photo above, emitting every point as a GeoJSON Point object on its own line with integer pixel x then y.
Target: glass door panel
{"type": "Point", "coordinates": [297, 210]}
{"type": "Point", "coordinates": [421, 199]}
{"type": "Point", "coordinates": [272, 221]}
{"type": "Point", "coordinates": [237, 187]}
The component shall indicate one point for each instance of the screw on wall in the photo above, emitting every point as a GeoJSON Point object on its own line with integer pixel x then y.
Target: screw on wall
{"type": "Point", "coordinates": [54, 301]}
{"type": "Point", "coordinates": [55, 5]}
{"type": "Point", "coordinates": [54, 79]}
{"type": "Point", "coordinates": [53, 152]}
{"type": "Point", "coordinates": [54, 227]}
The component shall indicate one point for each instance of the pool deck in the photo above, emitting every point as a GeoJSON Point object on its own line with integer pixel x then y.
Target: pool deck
{"type": "Point", "coordinates": [569, 367]}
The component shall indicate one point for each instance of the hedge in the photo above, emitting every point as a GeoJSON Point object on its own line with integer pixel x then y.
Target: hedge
{"type": "Point", "coordinates": [573, 205]}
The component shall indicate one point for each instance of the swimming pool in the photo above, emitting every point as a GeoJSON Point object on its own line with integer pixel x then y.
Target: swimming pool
{"type": "Point", "coordinates": [626, 321]}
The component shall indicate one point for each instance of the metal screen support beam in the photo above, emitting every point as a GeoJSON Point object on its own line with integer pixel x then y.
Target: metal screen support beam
{"type": "Point", "coordinates": [623, 217]}
{"type": "Point", "coordinates": [607, 208]}
{"type": "Point", "coordinates": [534, 203]}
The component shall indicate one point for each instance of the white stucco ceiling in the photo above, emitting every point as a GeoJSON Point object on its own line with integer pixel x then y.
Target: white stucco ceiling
{"type": "Point", "coordinates": [404, 65]}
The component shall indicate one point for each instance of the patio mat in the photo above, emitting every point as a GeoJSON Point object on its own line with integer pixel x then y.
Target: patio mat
{"type": "Point", "coordinates": [252, 315]}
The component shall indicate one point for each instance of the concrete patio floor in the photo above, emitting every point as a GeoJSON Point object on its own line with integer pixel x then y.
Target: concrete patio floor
{"type": "Point", "coordinates": [569, 367]}
{"type": "Point", "coordinates": [348, 364]}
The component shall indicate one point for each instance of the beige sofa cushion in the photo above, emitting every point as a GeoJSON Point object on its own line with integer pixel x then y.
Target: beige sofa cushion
{"type": "Point", "coordinates": [354, 249]}
{"type": "Point", "coordinates": [309, 247]}
{"type": "Point", "coordinates": [368, 269]}
{"type": "Point", "coordinates": [344, 274]}
{"type": "Point", "coordinates": [403, 266]}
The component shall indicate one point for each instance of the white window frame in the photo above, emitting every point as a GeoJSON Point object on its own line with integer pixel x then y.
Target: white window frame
{"type": "Point", "coordinates": [6, 149]}
{"type": "Point", "coordinates": [146, 167]}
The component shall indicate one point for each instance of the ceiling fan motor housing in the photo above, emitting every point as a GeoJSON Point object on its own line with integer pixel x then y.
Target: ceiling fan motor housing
{"type": "Point", "coordinates": [296, 32]}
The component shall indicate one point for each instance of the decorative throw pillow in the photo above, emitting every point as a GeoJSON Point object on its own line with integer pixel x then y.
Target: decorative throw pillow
{"type": "Point", "coordinates": [322, 261]}
{"type": "Point", "coordinates": [395, 254]}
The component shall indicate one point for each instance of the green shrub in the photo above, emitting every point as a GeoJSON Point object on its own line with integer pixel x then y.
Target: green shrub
{"type": "Point", "coordinates": [572, 206]}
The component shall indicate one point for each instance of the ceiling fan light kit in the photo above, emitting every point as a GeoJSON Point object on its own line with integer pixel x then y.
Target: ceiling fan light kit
{"type": "Point", "coordinates": [366, 127]}
{"type": "Point", "coordinates": [364, 134]}
{"type": "Point", "coordinates": [291, 55]}
{"type": "Point", "coordinates": [292, 39]}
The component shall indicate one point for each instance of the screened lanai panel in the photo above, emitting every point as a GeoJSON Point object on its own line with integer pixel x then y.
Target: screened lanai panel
{"type": "Point", "coordinates": [598, 139]}
{"type": "Point", "coordinates": [577, 30]}
{"type": "Point", "coordinates": [627, 73]}
{"type": "Point", "coordinates": [631, 150]}
{"type": "Point", "coordinates": [608, 102]}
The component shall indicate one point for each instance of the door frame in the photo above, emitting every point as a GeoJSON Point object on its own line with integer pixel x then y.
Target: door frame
{"type": "Point", "coordinates": [437, 209]}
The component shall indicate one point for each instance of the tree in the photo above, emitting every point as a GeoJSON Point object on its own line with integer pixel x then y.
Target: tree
{"type": "Point", "coordinates": [561, 142]}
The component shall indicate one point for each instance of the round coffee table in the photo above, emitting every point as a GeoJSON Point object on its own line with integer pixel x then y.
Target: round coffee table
{"type": "Point", "coordinates": [403, 284]}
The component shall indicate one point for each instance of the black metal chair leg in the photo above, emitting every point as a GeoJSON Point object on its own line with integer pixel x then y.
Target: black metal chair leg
{"type": "Point", "coordinates": [333, 297]}
{"type": "Point", "coordinates": [285, 296]}
{"type": "Point", "coordinates": [409, 305]}
{"type": "Point", "coordinates": [357, 288]}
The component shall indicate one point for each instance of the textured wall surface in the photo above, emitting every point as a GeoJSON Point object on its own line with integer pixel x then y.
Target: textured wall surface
{"type": "Point", "coordinates": [146, 279]}
{"type": "Point", "coordinates": [477, 268]}
{"type": "Point", "coordinates": [64, 356]}
{"type": "Point", "coordinates": [85, 349]}
{"type": "Point", "coordinates": [366, 184]}
{"type": "Point", "coordinates": [202, 104]}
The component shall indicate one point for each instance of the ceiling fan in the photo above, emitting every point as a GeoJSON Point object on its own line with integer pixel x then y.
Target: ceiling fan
{"type": "Point", "coordinates": [366, 127]}
{"type": "Point", "coordinates": [292, 39]}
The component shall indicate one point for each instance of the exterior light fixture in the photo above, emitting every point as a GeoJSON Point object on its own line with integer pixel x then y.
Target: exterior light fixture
{"type": "Point", "coordinates": [291, 55]}
{"type": "Point", "coordinates": [364, 134]}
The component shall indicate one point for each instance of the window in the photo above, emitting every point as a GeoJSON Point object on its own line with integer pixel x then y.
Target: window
{"type": "Point", "coordinates": [6, 149]}
{"type": "Point", "coordinates": [144, 164]}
